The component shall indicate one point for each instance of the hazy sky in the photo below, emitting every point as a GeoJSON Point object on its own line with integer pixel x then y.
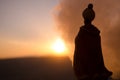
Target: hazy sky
{"type": "Point", "coordinates": [26, 27]}
{"type": "Point", "coordinates": [107, 20]}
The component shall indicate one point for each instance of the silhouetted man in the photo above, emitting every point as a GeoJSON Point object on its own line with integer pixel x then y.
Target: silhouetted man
{"type": "Point", "coordinates": [88, 59]}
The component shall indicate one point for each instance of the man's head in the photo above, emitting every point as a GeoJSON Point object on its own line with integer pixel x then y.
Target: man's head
{"type": "Point", "coordinates": [88, 14]}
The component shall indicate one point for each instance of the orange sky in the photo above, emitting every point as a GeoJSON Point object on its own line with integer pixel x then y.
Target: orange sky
{"type": "Point", "coordinates": [69, 20]}
{"type": "Point", "coordinates": [26, 27]}
{"type": "Point", "coordinates": [30, 27]}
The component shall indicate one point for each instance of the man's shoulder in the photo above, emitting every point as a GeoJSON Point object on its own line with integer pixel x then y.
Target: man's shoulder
{"type": "Point", "coordinates": [90, 28]}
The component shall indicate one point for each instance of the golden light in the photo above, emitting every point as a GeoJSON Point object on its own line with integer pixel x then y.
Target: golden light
{"type": "Point", "coordinates": [59, 46]}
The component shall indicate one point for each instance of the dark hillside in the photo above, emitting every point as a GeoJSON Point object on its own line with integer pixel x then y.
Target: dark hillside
{"type": "Point", "coordinates": [43, 68]}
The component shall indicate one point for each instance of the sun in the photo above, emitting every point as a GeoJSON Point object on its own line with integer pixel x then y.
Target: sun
{"type": "Point", "coordinates": [59, 46]}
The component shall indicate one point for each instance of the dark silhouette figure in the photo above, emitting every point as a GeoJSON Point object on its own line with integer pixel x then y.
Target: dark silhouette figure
{"type": "Point", "coordinates": [88, 59]}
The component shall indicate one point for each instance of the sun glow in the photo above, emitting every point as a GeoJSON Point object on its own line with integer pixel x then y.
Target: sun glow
{"type": "Point", "coordinates": [59, 46]}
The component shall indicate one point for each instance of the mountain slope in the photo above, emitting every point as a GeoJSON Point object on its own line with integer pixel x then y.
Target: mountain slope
{"type": "Point", "coordinates": [43, 68]}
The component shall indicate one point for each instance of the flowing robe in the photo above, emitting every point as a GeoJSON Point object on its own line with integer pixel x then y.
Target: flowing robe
{"type": "Point", "coordinates": [88, 59]}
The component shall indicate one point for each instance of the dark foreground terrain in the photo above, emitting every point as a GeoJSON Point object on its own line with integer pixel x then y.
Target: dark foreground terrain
{"type": "Point", "coordinates": [44, 68]}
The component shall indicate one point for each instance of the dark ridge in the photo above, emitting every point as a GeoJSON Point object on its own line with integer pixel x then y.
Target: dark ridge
{"type": "Point", "coordinates": [42, 68]}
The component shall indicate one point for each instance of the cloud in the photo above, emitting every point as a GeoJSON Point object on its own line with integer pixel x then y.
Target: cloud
{"type": "Point", "coordinates": [67, 15]}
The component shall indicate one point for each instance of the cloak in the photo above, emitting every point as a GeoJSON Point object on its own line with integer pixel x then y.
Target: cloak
{"type": "Point", "coordinates": [88, 59]}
